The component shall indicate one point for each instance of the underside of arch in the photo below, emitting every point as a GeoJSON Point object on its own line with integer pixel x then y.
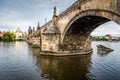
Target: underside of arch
{"type": "Point", "coordinates": [77, 36]}
{"type": "Point", "coordinates": [92, 12]}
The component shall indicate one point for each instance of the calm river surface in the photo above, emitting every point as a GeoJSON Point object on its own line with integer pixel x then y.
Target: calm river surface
{"type": "Point", "coordinates": [18, 61]}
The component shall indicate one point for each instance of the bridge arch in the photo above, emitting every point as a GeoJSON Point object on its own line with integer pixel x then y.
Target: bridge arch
{"type": "Point", "coordinates": [81, 25]}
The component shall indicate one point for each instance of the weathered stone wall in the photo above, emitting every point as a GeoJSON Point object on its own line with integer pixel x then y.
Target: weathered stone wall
{"type": "Point", "coordinates": [50, 42]}
{"type": "Point", "coordinates": [102, 4]}
{"type": "Point", "coordinates": [88, 44]}
{"type": "Point", "coordinates": [117, 6]}
{"type": "Point", "coordinates": [47, 25]}
{"type": "Point", "coordinates": [36, 40]}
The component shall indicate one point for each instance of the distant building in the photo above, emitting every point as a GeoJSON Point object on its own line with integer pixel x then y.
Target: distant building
{"type": "Point", "coordinates": [30, 30]}
{"type": "Point", "coordinates": [108, 37]}
{"type": "Point", "coordinates": [18, 34]}
{"type": "Point", "coordinates": [24, 36]}
{"type": "Point", "coordinates": [38, 30]}
{"type": "Point", "coordinates": [116, 39]}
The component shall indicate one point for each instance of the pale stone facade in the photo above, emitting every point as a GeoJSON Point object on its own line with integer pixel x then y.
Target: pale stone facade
{"type": "Point", "coordinates": [50, 42]}
{"type": "Point", "coordinates": [18, 34]}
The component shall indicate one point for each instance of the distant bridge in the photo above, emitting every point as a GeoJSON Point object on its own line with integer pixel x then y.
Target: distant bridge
{"type": "Point", "coordinates": [70, 31]}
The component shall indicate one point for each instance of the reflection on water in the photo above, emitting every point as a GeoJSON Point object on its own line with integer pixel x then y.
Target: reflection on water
{"type": "Point", "coordinates": [64, 68]}
{"type": "Point", "coordinates": [18, 61]}
{"type": "Point", "coordinates": [103, 54]}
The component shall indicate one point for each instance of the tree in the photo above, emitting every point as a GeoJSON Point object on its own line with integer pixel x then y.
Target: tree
{"type": "Point", "coordinates": [13, 35]}
{"type": "Point", "coordinates": [8, 36]}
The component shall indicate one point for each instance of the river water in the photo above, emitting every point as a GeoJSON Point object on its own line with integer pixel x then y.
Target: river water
{"type": "Point", "coordinates": [18, 61]}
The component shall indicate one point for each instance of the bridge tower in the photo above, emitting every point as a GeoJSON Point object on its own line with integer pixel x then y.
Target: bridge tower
{"type": "Point", "coordinates": [38, 30]}
{"type": "Point", "coordinates": [30, 30]}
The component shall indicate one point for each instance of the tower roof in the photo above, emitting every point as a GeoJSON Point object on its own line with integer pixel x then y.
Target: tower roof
{"type": "Point", "coordinates": [18, 30]}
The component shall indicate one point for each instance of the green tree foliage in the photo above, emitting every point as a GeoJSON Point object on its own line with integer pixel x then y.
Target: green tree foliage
{"type": "Point", "coordinates": [8, 36]}
{"type": "Point", "coordinates": [99, 39]}
{"type": "Point", "coordinates": [13, 35]}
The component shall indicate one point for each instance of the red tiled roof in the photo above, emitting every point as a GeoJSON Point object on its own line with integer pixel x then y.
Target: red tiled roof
{"type": "Point", "coordinates": [1, 32]}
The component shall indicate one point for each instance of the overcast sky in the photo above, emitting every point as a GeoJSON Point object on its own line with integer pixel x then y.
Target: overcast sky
{"type": "Point", "coordinates": [25, 13]}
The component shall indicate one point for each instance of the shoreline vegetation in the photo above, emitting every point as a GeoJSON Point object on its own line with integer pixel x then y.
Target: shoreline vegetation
{"type": "Point", "coordinates": [99, 39]}
{"type": "Point", "coordinates": [107, 37]}
{"type": "Point", "coordinates": [9, 37]}
{"type": "Point", "coordinates": [104, 39]}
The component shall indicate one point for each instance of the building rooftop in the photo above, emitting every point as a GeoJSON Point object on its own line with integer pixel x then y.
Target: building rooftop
{"type": "Point", "coordinates": [18, 30]}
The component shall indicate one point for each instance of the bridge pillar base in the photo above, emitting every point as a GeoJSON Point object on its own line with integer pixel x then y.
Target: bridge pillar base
{"type": "Point", "coordinates": [65, 53]}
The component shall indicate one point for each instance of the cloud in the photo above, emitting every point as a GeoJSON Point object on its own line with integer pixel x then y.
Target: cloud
{"type": "Point", "coordinates": [10, 20]}
{"type": "Point", "coordinates": [107, 28]}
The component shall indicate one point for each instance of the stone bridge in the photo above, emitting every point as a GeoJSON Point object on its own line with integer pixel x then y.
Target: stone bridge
{"type": "Point", "coordinates": [70, 30]}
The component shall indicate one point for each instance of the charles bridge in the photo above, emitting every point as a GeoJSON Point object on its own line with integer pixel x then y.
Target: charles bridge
{"type": "Point", "coordinates": [70, 30]}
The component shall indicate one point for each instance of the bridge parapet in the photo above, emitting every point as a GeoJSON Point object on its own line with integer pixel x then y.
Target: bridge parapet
{"type": "Point", "coordinates": [47, 25]}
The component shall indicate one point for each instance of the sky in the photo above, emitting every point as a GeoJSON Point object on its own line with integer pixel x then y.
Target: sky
{"type": "Point", "coordinates": [25, 13]}
{"type": "Point", "coordinates": [110, 27]}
